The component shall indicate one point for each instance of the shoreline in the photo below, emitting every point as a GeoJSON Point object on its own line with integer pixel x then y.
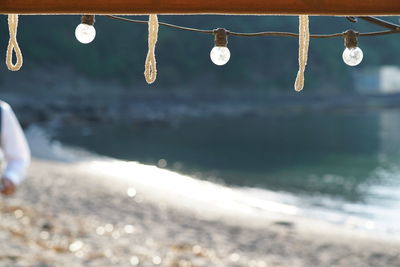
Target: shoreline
{"type": "Point", "coordinates": [80, 214]}
{"type": "Point", "coordinates": [167, 107]}
{"type": "Point", "coordinates": [211, 201]}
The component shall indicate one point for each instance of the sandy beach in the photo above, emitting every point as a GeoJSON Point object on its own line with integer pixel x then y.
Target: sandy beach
{"type": "Point", "coordinates": [77, 214]}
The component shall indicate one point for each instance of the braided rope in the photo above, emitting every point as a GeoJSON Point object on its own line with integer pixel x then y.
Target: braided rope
{"type": "Point", "coordinates": [13, 44]}
{"type": "Point", "coordinates": [304, 41]}
{"type": "Point", "coordinates": [150, 72]}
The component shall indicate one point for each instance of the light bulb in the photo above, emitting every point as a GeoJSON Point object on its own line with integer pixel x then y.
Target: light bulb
{"type": "Point", "coordinates": [220, 55]}
{"type": "Point", "coordinates": [353, 56]}
{"type": "Point", "coordinates": [85, 33]}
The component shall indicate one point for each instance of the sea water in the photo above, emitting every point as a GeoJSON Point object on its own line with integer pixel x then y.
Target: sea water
{"type": "Point", "coordinates": [339, 167]}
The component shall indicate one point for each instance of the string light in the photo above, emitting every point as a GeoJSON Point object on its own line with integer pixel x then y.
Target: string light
{"type": "Point", "coordinates": [352, 54]}
{"type": "Point", "coordinates": [220, 53]}
{"type": "Point", "coordinates": [85, 32]}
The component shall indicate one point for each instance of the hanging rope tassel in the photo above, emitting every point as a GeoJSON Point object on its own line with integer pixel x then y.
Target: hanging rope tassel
{"type": "Point", "coordinates": [150, 72]}
{"type": "Point", "coordinates": [13, 44]}
{"type": "Point", "coordinates": [304, 41]}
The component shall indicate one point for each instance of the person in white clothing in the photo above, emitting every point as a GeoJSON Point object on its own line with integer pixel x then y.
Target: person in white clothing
{"type": "Point", "coordinates": [15, 150]}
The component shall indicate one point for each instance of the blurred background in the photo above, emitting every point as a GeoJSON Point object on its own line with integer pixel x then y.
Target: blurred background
{"type": "Point", "coordinates": [332, 150]}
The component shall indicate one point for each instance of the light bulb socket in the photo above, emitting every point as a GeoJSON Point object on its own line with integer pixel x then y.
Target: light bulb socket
{"type": "Point", "coordinates": [88, 19]}
{"type": "Point", "coordinates": [350, 39]}
{"type": "Point", "coordinates": [221, 37]}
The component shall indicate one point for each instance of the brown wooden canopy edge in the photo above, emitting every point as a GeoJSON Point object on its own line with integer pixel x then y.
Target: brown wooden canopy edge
{"type": "Point", "coordinates": [256, 7]}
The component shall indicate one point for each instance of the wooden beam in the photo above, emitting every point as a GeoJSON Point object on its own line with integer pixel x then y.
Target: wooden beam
{"type": "Point", "coordinates": [267, 7]}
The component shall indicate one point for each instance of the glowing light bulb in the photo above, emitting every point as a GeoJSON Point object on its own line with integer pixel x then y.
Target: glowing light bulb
{"type": "Point", "coordinates": [85, 33]}
{"type": "Point", "coordinates": [353, 56]}
{"type": "Point", "coordinates": [220, 55]}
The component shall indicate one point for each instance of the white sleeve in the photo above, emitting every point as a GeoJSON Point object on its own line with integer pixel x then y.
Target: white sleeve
{"type": "Point", "coordinates": [14, 145]}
